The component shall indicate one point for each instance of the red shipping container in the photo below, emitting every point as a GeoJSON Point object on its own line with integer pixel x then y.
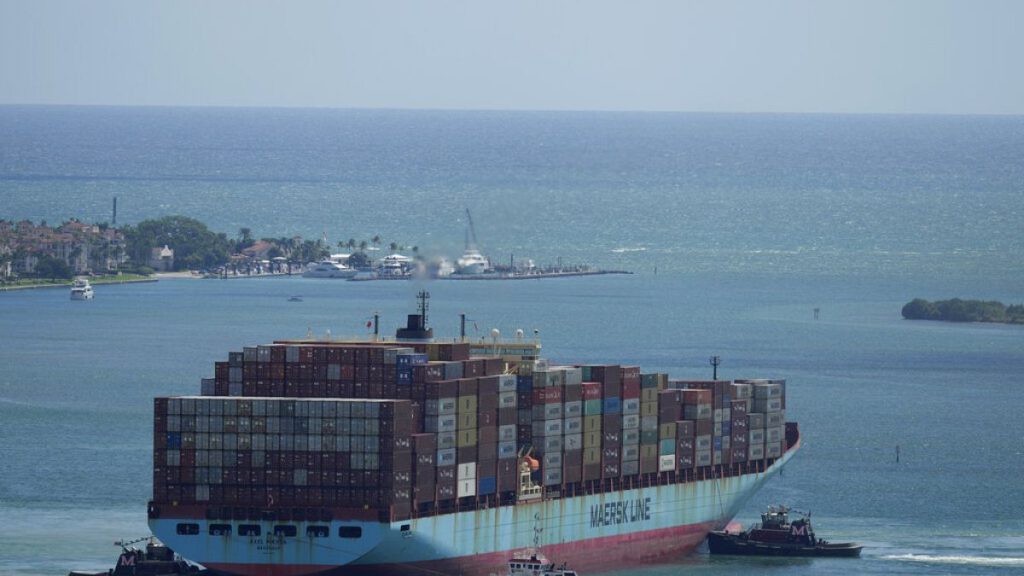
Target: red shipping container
{"type": "Point", "coordinates": [631, 390]}
{"type": "Point", "coordinates": [592, 391]}
{"type": "Point", "coordinates": [630, 374]}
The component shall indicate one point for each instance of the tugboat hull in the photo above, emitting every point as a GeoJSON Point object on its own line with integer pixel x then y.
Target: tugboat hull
{"type": "Point", "coordinates": [738, 544]}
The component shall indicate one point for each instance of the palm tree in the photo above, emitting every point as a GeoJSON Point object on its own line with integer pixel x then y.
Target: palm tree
{"type": "Point", "coordinates": [362, 246]}
{"type": "Point", "coordinates": [351, 243]}
{"type": "Point", "coordinates": [375, 239]}
{"type": "Point", "coordinates": [395, 247]}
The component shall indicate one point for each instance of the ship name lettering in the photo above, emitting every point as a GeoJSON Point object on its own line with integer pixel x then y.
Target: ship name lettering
{"type": "Point", "coordinates": [621, 512]}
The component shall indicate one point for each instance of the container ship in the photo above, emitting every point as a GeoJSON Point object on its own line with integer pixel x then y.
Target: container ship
{"type": "Point", "coordinates": [416, 456]}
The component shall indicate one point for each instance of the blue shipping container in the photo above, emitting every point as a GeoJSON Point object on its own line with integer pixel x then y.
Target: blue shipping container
{"type": "Point", "coordinates": [612, 405]}
{"type": "Point", "coordinates": [173, 440]}
{"type": "Point", "coordinates": [404, 375]}
{"type": "Point", "coordinates": [524, 383]}
{"type": "Point", "coordinates": [487, 485]}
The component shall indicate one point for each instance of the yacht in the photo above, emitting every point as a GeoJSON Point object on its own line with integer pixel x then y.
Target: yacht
{"type": "Point", "coordinates": [328, 269]}
{"type": "Point", "coordinates": [81, 290]}
{"type": "Point", "coordinates": [472, 262]}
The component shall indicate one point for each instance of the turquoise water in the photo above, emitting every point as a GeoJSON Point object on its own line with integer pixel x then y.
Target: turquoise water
{"type": "Point", "coordinates": [752, 222]}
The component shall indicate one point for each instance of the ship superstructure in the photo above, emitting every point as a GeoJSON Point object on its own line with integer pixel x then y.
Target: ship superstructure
{"type": "Point", "coordinates": [417, 457]}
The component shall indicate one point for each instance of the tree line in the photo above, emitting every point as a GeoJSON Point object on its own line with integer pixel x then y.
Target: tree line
{"type": "Point", "coordinates": [957, 310]}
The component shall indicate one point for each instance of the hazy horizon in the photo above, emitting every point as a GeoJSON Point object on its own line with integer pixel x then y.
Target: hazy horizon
{"type": "Point", "coordinates": [789, 57]}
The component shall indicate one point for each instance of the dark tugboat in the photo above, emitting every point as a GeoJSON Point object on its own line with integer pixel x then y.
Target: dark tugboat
{"type": "Point", "coordinates": [777, 536]}
{"type": "Point", "coordinates": [155, 560]}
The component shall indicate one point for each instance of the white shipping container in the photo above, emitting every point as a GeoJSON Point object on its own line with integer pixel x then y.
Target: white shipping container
{"type": "Point", "coordinates": [446, 423]}
{"type": "Point", "coordinates": [766, 405]}
{"type": "Point", "coordinates": [466, 470]}
{"type": "Point", "coordinates": [631, 437]}
{"type": "Point", "coordinates": [666, 463]}
{"type": "Point", "coordinates": [773, 450]}
{"type": "Point", "coordinates": [446, 457]}
{"type": "Point", "coordinates": [506, 399]}
{"type": "Point", "coordinates": [552, 476]}
{"type": "Point", "coordinates": [552, 411]}
{"type": "Point", "coordinates": [631, 452]}
{"type": "Point", "coordinates": [648, 423]}
{"type": "Point", "coordinates": [507, 433]}
{"type": "Point", "coordinates": [741, 391]}
{"type": "Point", "coordinates": [757, 437]}
{"type": "Point", "coordinates": [573, 425]}
{"type": "Point", "coordinates": [573, 409]}
{"type": "Point", "coordinates": [573, 375]}
{"type": "Point", "coordinates": [507, 383]}
{"type": "Point", "coordinates": [572, 442]}
{"type": "Point", "coordinates": [552, 460]}
{"type": "Point", "coordinates": [755, 452]}
{"type": "Point", "coordinates": [767, 390]}
{"type": "Point", "coordinates": [703, 442]}
{"type": "Point", "coordinates": [447, 406]}
{"type": "Point", "coordinates": [507, 450]}
{"type": "Point", "coordinates": [630, 421]}
{"type": "Point", "coordinates": [755, 421]}
{"type": "Point", "coordinates": [466, 488]}
{"type": "Point", "coordinates": [773, 435]}
{"type": "Point", "coordinates": [775, 419]}
{"type": "Point", "coordinates": [631, 406]}
{"type": "Point", "coordinates": [552, 444]}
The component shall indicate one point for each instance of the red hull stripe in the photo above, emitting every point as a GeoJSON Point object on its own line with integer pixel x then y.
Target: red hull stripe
{"type": "Point", "coordinates": [587, 556]}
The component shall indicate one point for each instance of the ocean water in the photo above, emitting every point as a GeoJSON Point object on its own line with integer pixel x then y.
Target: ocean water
{"type": "Point", "coordinates": [751, 222]}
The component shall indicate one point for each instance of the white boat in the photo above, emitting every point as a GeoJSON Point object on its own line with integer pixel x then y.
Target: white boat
{"type": "Point", "coordinates": [81, 290]}
{"type": "Point", "coordinates": [328, 269]}
{"type": "Point", "coordinates": [472, 263]}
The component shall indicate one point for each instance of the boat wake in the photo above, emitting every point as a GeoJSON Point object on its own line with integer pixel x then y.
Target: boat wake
{"type": "Point", "coordinates": [624, 250]}
{"type": "Point", "coordinates": [958, 560]}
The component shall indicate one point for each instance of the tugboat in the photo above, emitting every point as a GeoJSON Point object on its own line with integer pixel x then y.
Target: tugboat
{"type": "Point", "coordinates": [777, 536]}
{"type": "Point", "coordinates": [531, 562]}
{"type": "Point", "coordinates": [155, 560]}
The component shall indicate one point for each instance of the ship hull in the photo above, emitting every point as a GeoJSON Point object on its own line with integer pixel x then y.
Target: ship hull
{"type": "Point", "coordinates": [592, 533]}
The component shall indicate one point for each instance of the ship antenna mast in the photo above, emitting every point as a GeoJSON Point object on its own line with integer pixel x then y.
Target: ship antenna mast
{"type": "Point", "coordinates": [715, 361]}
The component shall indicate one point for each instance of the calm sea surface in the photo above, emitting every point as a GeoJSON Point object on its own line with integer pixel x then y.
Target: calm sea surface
{"type": "Point", "coordinates": [751, 222]}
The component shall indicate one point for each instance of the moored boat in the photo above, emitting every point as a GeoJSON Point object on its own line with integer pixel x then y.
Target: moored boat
{"type": "Point", "coordinates": [777, 536]}
{"type": "Point", "coordinates": [81, 289]}
{"type": "Point", "coordinates": [329, 269]}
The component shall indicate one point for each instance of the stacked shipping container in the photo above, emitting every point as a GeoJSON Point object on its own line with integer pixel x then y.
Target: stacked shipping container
{"type": "Point", "coordinates": [420, 427]}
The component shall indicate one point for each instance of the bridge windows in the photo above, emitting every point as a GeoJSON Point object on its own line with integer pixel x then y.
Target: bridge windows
{"type": "Point", "coordinates": [350, 532]}
{"type": "Point", "coordinates": [285, 531]}
{"type": "Point", "coordinates": [188, 529]}
{"type": "Point", "coordinates": [220, 529]}
{"type": "Point", "coordinates": [249, 530]}
{"type": "Point", "coordinates": [317, 532]}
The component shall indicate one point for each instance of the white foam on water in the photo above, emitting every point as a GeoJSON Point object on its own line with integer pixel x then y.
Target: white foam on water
{"type": "Point", "coordinates": [960, 560]}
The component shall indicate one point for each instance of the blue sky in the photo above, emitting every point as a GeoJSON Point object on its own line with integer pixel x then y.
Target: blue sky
{"type": "Point", "coordinates": [867, 56]}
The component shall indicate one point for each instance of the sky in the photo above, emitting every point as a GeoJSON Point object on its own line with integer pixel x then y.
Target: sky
{"type": "Point", "coordinates": [829, 56]}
